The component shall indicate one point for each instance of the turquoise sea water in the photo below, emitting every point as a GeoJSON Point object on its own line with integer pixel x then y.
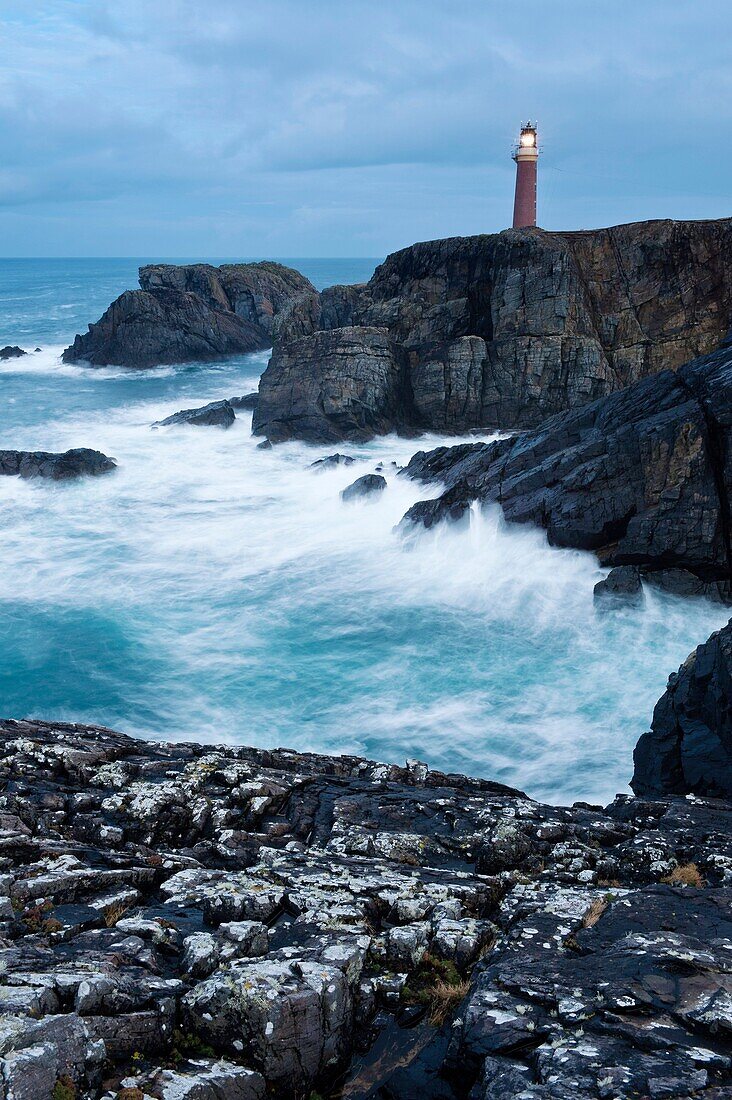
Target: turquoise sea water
{"type": "Point", "coordinates": [210, 591]}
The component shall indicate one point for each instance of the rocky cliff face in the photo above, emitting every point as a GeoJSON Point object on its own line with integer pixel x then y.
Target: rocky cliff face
{"type": "Point", "coordinates": [498, 331]}
{"type": "Point", "coordinates": [256, 293]}
{"type": "Point", "coordinates": [186, 921]}
{"type": "Point", "coordinates": [642, 478]}
{"type": "Point", "coordinates": [193, 312]}
{"type": "Point", "coordinates": [345, 383]}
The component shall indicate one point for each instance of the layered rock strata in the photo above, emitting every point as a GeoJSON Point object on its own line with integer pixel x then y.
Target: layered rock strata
{"type": "Point", "coordinates": [497, 331]}
{"type": "Point", "coordinates": [190, 921]}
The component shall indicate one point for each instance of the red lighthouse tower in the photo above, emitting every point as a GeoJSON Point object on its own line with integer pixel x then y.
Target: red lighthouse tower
{"type": "Point", "coordinates": [526, 154]}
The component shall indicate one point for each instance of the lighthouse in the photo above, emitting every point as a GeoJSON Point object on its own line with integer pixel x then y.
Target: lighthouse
{"type": "Point", "coordinates": [526, 155]}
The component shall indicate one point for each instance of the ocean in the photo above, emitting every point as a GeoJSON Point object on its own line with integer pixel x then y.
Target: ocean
{"type": "Point", "coordinates": [210, 591]}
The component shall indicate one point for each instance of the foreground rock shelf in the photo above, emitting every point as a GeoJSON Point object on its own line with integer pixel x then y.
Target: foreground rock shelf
{"type": "Point", "coordinates": [186, 921]}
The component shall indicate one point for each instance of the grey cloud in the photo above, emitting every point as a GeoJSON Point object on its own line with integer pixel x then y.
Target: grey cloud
{"type": "Point", "coordinates": [335, 126]}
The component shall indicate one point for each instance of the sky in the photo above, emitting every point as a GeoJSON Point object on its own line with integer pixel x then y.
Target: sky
{"type": "Point", "coordinates": [335, 128]}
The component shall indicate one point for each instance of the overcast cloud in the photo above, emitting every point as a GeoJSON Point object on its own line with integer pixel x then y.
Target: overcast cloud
{"type": "Point", "coordinates": [315, 127]}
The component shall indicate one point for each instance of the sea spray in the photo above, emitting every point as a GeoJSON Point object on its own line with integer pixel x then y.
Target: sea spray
{"type": "Point", "coordinates": [211, 590]}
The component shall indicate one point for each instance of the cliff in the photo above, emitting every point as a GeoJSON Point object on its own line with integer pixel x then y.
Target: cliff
{"type": "Point", "coordinates": [187, 921]}
{"type": "Point", "coordinates": [497, 331]}
{"type": "Point", "coordinates": [190, 312]}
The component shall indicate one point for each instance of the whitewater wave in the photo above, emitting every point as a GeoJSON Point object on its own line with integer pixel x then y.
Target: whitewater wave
{"type": "Point", "coordinates": [211, 590]}
{"type": "Point", "coordinates": [48, 362]}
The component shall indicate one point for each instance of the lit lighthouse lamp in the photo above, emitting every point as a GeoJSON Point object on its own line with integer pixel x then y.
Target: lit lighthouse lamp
{"type": "Point", "coordinates": [526, 154]}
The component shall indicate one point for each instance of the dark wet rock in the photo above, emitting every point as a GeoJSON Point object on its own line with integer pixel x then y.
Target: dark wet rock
{"type": "Point", "coordinates": [144, 329]}
{"type": "Point", "coordinates": [681, 582]}
{"type": "Point", "coordinates": [346, 383]}
{"type": "Point", "coordinates": [12, 351]}
{"type": "Point", "coordinates": [275, 923]}
{"type": "Point", "coordinates": [453, 504]}
{"type": "Point", "coordinates": [688, 749]}
{"type": "Point", "coordinates": [622, 587]}
{"type": "Point", "coordinates": [265, 445]}
{"type": "Point", "coordinates": [78, 462]}
{"type": "Point", "coordinates": [332, 460]}
{"type": "Point", "coordinates": [190, 312]}
{"type": "Point", "coordinates": [364, 486]}
{"type": "Point", "coordinates": [642, 478]}
{"type": "Point", "coordinates": [247, 401]}
{"type": "Point", "coordinates": [612, 1011]}
{"type": "Point", "coordinates": [216, 413]}
{"type": "Point", "coordinates": [498, 331]}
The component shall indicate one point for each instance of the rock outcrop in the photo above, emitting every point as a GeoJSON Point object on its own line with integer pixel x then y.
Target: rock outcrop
{"type": "Point", "coordinates": [218, 414]}
{"type": "Point", "coordinates": [642, 477]}
{"type": "Point", "coordinates": [330, 461]}
{"type": "Point", "coordinates": [144, 329]}
{"type": "Point", "coordinates": [688, 749]}
{"type": "Point", "coordinates": [255, 292]}
{"type": "Point", "coordinates": [622, 587]}
{"type": "Point", "coordinates": [191, 312]}
{"type": "Point", "coordinates": [11, 351]}
{"type": "Point", "coordinates": [342, 384]}
{"type": "Point", "coordinates": [78, 462]}
{"type": "Point", "coordinates": [497, 331]}
{"type": "Point", "coordinates": [191, 921]}
{"type": "Point", "coordinates": [364, 486]}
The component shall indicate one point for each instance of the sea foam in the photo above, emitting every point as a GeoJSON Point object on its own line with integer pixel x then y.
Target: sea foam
{"type": "Point", "coordinates": [215, 591]}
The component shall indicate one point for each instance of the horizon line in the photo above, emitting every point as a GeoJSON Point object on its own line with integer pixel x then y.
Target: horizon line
{"type": "Point", "coordinates": [235, 259]}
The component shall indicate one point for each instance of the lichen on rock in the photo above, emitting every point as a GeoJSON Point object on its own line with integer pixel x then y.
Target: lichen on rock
{"type": "Point", "coordinates": [181, 920]}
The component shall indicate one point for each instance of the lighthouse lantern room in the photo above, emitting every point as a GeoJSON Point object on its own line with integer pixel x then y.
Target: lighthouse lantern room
{"type": "Point", "coordinates": [526, 154]}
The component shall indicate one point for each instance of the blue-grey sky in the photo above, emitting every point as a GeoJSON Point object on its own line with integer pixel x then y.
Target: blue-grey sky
{"type": "Point", "coordinates": [350, 127]}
